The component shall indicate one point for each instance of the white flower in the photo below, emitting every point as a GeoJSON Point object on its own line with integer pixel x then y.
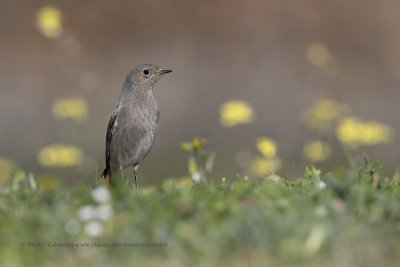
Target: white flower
{"type": "Point", "coordinates": [196, 177]}
{"type": "Point", "coordinates": [94, 229]}
{"type": "Point", "coordinates": [87, 213]}
{"type": "Point", "coordinates": [322, 185]}
{"type": "Point", "coordinates": [101, 194]}
{"type": "Point", "coordinates": [104, 212]}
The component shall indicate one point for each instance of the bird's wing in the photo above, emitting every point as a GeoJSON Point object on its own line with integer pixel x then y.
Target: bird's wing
{"type": "Point", "coordinates": [110, 132]}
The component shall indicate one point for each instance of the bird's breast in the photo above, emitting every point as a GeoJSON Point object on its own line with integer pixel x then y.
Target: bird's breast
{"type": "Point", "coordinates": [136, 129]}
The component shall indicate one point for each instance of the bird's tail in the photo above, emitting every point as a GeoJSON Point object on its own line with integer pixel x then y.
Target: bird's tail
{"type": "Point", "coordinates": [107, 175]}
{"type": "Point", "coordinates": [105, 172]}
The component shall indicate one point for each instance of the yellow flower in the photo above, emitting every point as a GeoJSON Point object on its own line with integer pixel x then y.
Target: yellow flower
{"type": "Point", "coordinates": [184, 183]}
{"type": "Point", "coordinates": [236, 112]}
{"type": "Point", "coordinates": [317, 151]}
{"type": "Point", "coordinates": [49, 21]}
{"type": "Point", "coordinates": [324, 113]}
{"type": "Point", "coordinates": [148, 190]}
{"type": "Point", "coordinates": [60, 155]}
{"type": "Point", "coordinates": [267, 147]}
{"type": "Point", "coordinates": [168, 184]}
{"type": "Point", "coordinates": [49, 183]}
{"type": "Point", "coordinates": [318, 55]}
{"type": "Point", "coordinates": [353, 132]}
{"type": "Point", "coordinates": [198, 144]}
{"type": "Point", "coordinates": [263, 166]}
{"type": "Point", "coordinates": [73, 108]}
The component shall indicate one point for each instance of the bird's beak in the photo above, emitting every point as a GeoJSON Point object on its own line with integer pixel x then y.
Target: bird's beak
{"type": "Point", "coordinates": [164, 71]}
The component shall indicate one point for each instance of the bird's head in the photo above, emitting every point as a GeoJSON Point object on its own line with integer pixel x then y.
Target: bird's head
{"type": "Point", "coordinates": [146, 74]}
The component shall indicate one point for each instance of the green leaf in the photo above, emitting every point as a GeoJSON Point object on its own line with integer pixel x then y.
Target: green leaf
{"type": "Point", "coordinates": [312, 173]}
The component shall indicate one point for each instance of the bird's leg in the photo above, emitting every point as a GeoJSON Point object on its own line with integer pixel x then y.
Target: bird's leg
{"type": "Point", "coordinates": [134, 172]}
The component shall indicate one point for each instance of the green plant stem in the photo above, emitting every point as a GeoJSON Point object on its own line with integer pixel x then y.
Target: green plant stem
{"type": "Point", "coordinates": [349, 156]}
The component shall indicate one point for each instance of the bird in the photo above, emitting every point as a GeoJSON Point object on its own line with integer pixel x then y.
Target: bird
{"type": "Point", "coordinates": [134, 121]}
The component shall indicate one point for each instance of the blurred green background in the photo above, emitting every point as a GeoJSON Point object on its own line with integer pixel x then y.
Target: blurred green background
{"type": "Point", "coordinates": [63, 63]}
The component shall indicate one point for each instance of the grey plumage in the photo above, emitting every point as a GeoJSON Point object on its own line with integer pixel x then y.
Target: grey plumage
{"type": "Point", "coordinates": [134, 121]}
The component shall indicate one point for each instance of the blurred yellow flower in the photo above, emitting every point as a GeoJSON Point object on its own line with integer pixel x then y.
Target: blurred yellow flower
{"type": "Point", "coordinates": [6, 169]}
{"type": "Point", "coordinates": [198, 143]}
{"type": "Point", "coordinates": [148, 190]}
{"type": "Point", "coordinates": [168, 184]}
{"type": "Point", "coordinates": [73, 108]}
{"type": "Point", "coordinates": [324, 113]}
{"type": "Point", "coordinates": [60, 155]}
{"type": "Point", "coordinates": [318, 55]}
{"type": "Point", "coordinates": [236, 112]}
{"type": "Point", "coordinates": [353, 132]}
{"type": "Point", "coordinates": [184, 183]}
{"type": "Point", "coordinates": [49, 21]}
{"type": "Point", "coordinates": [267, 147]}
{"type": "Point", "coordinates": [263, 166]}
{"type": "Point", "coordinates": [49, 183]}
{"type": "Point", "coordinates": [317, 151]}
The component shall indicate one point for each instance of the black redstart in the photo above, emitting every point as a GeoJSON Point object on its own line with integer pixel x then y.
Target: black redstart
{"type": "Point", "coordinates": [134, 121]}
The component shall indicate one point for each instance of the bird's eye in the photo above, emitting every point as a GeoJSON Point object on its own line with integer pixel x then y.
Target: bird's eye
{"type": "Point", "coordinates": [146, 72]}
